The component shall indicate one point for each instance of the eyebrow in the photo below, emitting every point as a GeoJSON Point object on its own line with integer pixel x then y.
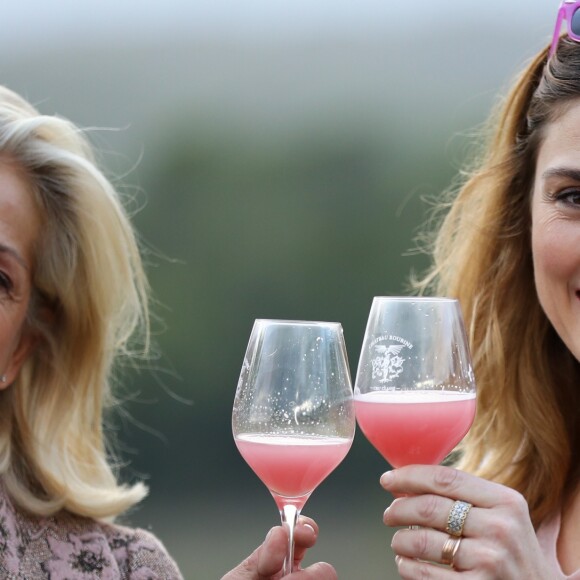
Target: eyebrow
{"type": "Point", "coordinates": [562, 172]}
{"type": "Point", "coordinates": [12, 252]}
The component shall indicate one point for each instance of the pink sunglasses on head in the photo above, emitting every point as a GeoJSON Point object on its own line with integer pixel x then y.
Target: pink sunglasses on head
{"type": "Point", "coordinates": [568, 11]}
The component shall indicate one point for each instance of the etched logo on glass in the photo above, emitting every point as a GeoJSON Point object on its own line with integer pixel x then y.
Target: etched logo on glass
{"type": "Point", "coordinates": [387, 362]}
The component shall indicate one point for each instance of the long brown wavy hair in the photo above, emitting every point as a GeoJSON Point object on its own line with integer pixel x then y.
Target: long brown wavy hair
{"type": "Point", "coordinates": [526, 434]}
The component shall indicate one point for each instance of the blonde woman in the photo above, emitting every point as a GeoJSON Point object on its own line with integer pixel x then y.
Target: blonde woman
{"type": "Point", "coordinates": [73, 299]}
{"type": "Point", "coordinates": [509, 250]}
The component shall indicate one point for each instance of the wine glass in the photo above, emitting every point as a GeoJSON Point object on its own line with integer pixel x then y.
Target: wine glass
{"type": "Point", "coordinates": [293, 418]}
{"type": "Point", "coordinates": [415, 389]}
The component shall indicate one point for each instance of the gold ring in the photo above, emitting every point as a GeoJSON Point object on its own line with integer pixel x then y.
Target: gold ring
{"type": "Point", "coordinates": [449, 550]}
{"type": "Point", "coordinates": [456, 518]}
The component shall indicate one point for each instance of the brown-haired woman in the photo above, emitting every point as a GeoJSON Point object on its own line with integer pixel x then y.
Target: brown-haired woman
{"type": "Point", "coordinates": [509, 250]}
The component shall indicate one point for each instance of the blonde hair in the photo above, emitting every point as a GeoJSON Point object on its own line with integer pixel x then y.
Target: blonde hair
{"type": "Point", "coordinates": [89, 299]}
{"type": "Point", "coordinates": [526, 432]}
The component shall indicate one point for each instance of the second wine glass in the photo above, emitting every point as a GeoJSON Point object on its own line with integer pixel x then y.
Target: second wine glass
{"type": "Point", "coordinates": [293, 418]}
{"type": "Point", "coordinates": [415, 387]}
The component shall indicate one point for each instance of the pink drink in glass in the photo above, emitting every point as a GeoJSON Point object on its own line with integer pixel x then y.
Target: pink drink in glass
{"type": "Point", "coordinates": [414, 427]}
{"type": "Point", "coordinates": [291, 467]}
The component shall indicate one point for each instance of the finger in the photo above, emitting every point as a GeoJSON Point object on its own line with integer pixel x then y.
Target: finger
{"type": "Point", "coordinates": [318, 571]}
{"type": "Point", "coordinates": [427, 510]}
{"type": "Point", "coordinates": [412, 569]}
{"type": "Point", "coordinates": [427, 544]}
{"type": "Point", "coordinates": [305, 536]}
{"type": "Point", "coordinates": [271, 554]}
{"type": "Point", "coordinates": [447, 482]}
{"type": "Point", "coordinates": [305, 520]}
{"type": "Point", "coordinates": [265, 561]}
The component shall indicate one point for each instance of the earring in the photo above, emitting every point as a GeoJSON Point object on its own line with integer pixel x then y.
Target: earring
{"type": "Point", "coordinates": [3, 378]}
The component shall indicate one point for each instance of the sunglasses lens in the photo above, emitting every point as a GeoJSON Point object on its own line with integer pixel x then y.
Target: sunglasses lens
{"type": "Point", "coordinates": [575, 24]}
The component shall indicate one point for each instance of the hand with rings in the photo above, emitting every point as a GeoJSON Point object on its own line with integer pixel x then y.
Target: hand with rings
{"type": "Point", "coordinates": [475, 528]}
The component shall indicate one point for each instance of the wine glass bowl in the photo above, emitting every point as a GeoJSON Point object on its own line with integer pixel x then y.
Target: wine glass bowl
{"type": "Point", "coordinates": [293, 418]}
{"type": "Point", "coordinates": [415, 388]}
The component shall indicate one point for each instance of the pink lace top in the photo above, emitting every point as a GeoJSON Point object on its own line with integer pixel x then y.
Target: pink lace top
{"type": "Point", "coordinates": [548, 536]}
{"type": "Point", "coordinates": [68, 547]}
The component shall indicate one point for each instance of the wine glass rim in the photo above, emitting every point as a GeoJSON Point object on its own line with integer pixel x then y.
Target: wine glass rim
{"type": "Point", "coordinates": [415, 298]}
{"type": "Point", "coordinates": [295, 322]}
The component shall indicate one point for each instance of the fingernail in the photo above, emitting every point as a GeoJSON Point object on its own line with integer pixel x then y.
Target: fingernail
{"type": "Point", "coordinates": [387, 478]}
{"type": "Point", "coordinates": [386, 513]}
{"type": "Point", "coordinates": [268, 535]}
{"type": "Point", "coordinates": [303, 522]}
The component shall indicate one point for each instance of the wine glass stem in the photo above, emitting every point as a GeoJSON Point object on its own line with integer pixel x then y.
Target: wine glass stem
{"type": "Point", "coordinates": [289, 514]}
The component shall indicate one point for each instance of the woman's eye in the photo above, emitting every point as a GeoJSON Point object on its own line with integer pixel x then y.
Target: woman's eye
{"type": "Point", "coordinates": [569, 196]}
{"type": "Point", "coordinates": [5, 282]}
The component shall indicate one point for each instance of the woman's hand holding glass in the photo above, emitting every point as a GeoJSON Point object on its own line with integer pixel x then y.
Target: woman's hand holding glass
{"type": "Point", "coordinates": [497, 538]}
{"type": "Point", "coordinates": [267, 561]}
{"type": "Point", "coordinates": [415, 400]}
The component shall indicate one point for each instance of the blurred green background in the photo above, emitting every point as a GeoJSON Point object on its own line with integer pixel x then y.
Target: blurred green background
{"type": "Point", "coordinates": [280, 155]}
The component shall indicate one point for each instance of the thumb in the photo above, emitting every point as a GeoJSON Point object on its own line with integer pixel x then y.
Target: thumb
{"type": "Point", "coordinates": [318, 571]}
{"type": "Point", "coordinates": [265, 561]}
